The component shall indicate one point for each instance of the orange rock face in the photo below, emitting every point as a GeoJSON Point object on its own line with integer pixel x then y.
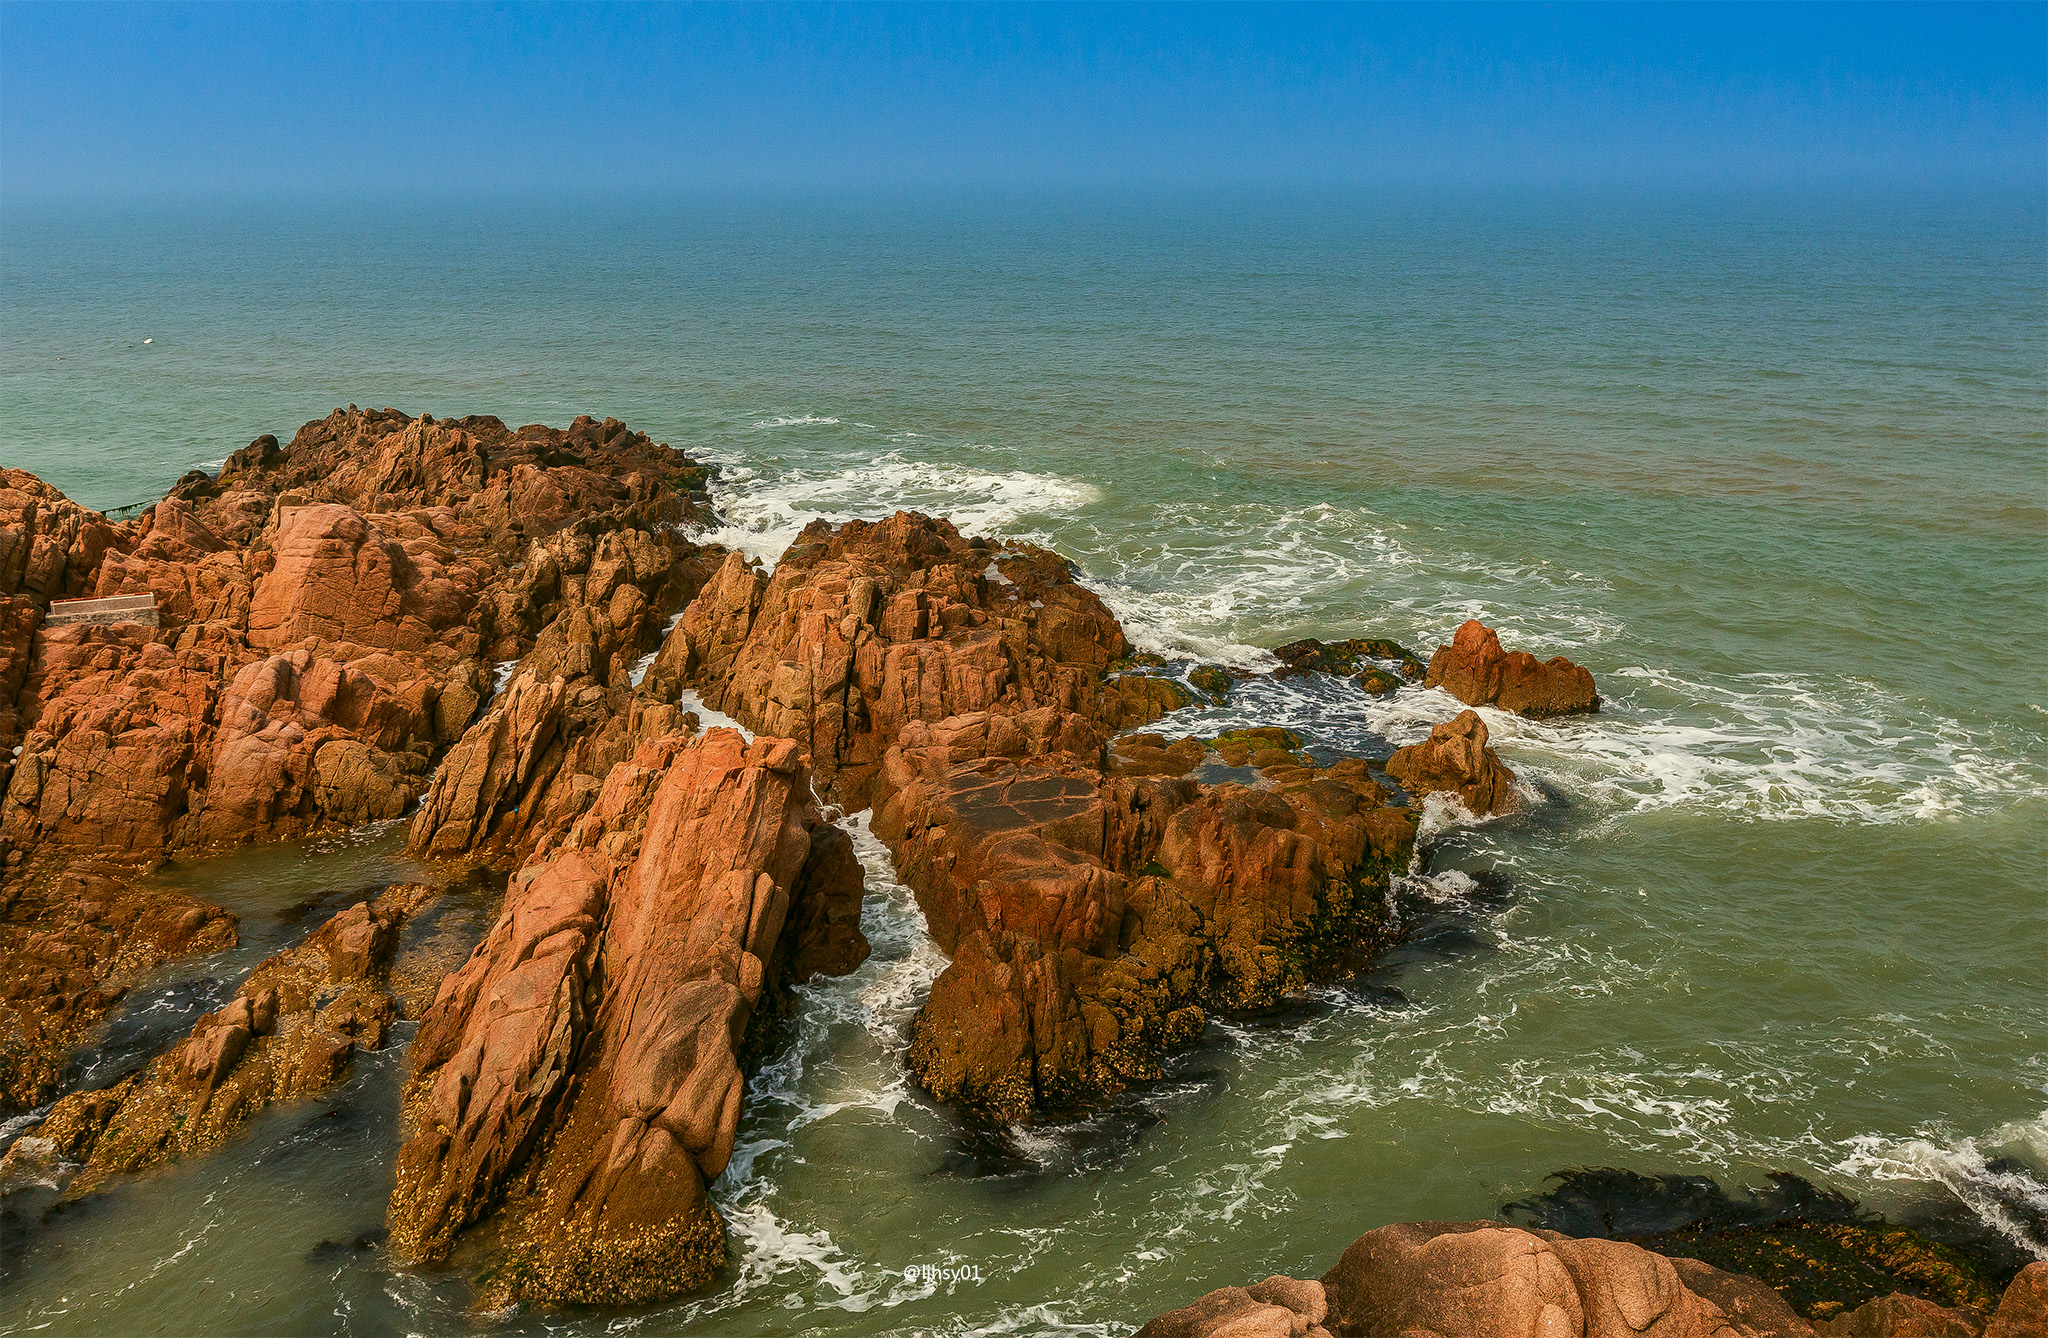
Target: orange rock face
{"type": "Point", "coordinates": [327, 616]}
{"type": "Point", "coordinates": [866, 628]}
{"type": "Point", "coordinates": [1475, 670]}
{"type": "Point", "coordinates": [591, 1046]}
{"type": "Point", "coordinates": [1457, 760]}
{"type": "Point", "coordinates": [1094, 918]}
{"type": "Point", "coordinates": [964, 689]}
{"type": "Point", "coordinates": [1455, 1278]}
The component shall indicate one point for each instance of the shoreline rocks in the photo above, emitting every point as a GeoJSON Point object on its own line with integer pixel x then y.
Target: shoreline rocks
{"type": "Point", "coordinates": [292, 1030]}
{"type": "Point", "coordinates": [1096, 917]}
{"type": "Point", "coordinates": [1460, 1279]}
{"type": "Point", "coordinates": [1475, 670]}
{"type": "Point", "coordinates": [1095, 905]}
{"type": "Point", "coordinates": [326, 615]}
{"type": "Point", "coordinates": [490, 630]}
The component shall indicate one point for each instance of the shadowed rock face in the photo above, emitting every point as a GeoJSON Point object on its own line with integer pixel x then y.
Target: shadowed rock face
{"type": "Point", "coordinates": [1475, 670]}
{"type": "Point", "coordinates": [588, 1055]}
{"type": "Point", "coordinates": [1456, 759]}
{"type": "Point", "coordinates": [327, 616]}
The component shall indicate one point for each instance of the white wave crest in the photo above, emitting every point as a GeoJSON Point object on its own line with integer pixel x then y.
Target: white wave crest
{"type": "Point", "coordinates": [844, 1054]}
{"type": "Point", "coordinates": [762, 518]}
{"type": "Point", "coordinates": [1998, 1178]}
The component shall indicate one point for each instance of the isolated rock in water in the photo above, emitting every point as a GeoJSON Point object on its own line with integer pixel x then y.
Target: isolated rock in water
{"type": "Point", "coordinates": [1483, 1277]}
{"type": "Point", "coordinates": [1475, 670]}
{"type": "Point", "coordinates": [291, 1031]}
{"type": "Point", "coordinates": [589, 1052]}
{"type": "Point", "coordinates": [1093, 918]}
{"type": "Point", "coordinates": [1456, 759]}
{"type": "Point", "coordinates": [865, 628]}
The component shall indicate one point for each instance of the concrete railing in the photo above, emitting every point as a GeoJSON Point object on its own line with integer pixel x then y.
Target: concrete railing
{"type": "Point", "coordinates": [107, 612]}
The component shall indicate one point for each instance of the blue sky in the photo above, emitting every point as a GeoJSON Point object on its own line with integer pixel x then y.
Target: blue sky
{"type": "Point", "coordinates": [342, 100]}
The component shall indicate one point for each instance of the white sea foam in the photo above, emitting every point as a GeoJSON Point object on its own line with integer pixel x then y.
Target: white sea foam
{"type": "Point", "coordinates": [1217, 582]}
{"type": "Point", "coordinates": [646, 662]}
{"type": "Point", "coordinates": [798, 420]}
{"type": "Point", "coordinates": [761, 518]}
{"type": "Point", "coordinates": [691, 700]}
{"type": "Point", "coordinates": [872, 1008]}
{"type": "Point", "coordinates": [501, 674]}
{"type": "Point", "coordinates": [1999, 1177]}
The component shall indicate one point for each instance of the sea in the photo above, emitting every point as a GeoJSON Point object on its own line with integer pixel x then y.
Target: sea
{"type": "Point", "coordinates": [1773, 465]}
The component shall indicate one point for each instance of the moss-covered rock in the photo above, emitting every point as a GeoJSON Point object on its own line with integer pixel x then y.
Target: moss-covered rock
{"type": "Point", "coordinates": [1345, 657]}
{"type": "Point", "coordinates": [1824, 1269]}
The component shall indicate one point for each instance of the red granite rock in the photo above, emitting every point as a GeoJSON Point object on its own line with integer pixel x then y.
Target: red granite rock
{"type": "Point", "coordinates": [1456, 759]}
{"type": "Point", "coordinates": [1475, 670]}
{"type": "Point", "coordinates": [591, 1046]}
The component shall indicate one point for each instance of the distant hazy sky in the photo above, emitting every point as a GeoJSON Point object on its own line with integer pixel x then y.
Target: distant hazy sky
{"type": "Point", "coordinates": [376, 100]}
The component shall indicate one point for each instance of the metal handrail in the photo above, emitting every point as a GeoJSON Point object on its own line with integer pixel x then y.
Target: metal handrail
{"type": "Point", "coordinates": [134, 509]}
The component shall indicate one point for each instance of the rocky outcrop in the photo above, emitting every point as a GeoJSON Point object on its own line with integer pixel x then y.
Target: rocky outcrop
{"type": "Point", "coordinates": [118, 728]}
{"type": "Point", "coordinates": [1457, 760]}
{"type": "Point", "coordinates": [964, 689]}
{"type": "Point", "coordinates": [1094, 916]}
{"type": "Point", "coordinates": [1902, 1316]}
{"type": "Point", "coordinates": [1452, 1280]}
{"type": "Point", "coordinates": [50, 547]}
{"type": "Point", "coordinates": [521, 775]}
{"type": "Point", "coordinates": [1475, 670]}
{"type": "Point", "coordinates": [588, 1056]}
{"type": "Point", "coordinates": [326, 617]}
{"type": "Point", "coordinates": [1448, 1280]}
{"type": "Point", "coordinates": [291, 1031]}
{"type": "Point", "coordinates": [337, 575]}
{"type": "Point", "coordinates": [865, 628]}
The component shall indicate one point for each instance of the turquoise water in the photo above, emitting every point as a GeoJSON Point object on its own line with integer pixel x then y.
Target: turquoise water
{"type": "Point", "coordinates": [1774, 469]}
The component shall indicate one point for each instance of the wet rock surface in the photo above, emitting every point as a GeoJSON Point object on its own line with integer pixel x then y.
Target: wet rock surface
{"type": "Point", "coordinates": [291, 1031]}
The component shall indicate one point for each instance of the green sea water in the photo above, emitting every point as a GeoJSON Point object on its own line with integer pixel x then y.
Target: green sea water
{"type": "Point", "coordinates": [1775, 469]}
